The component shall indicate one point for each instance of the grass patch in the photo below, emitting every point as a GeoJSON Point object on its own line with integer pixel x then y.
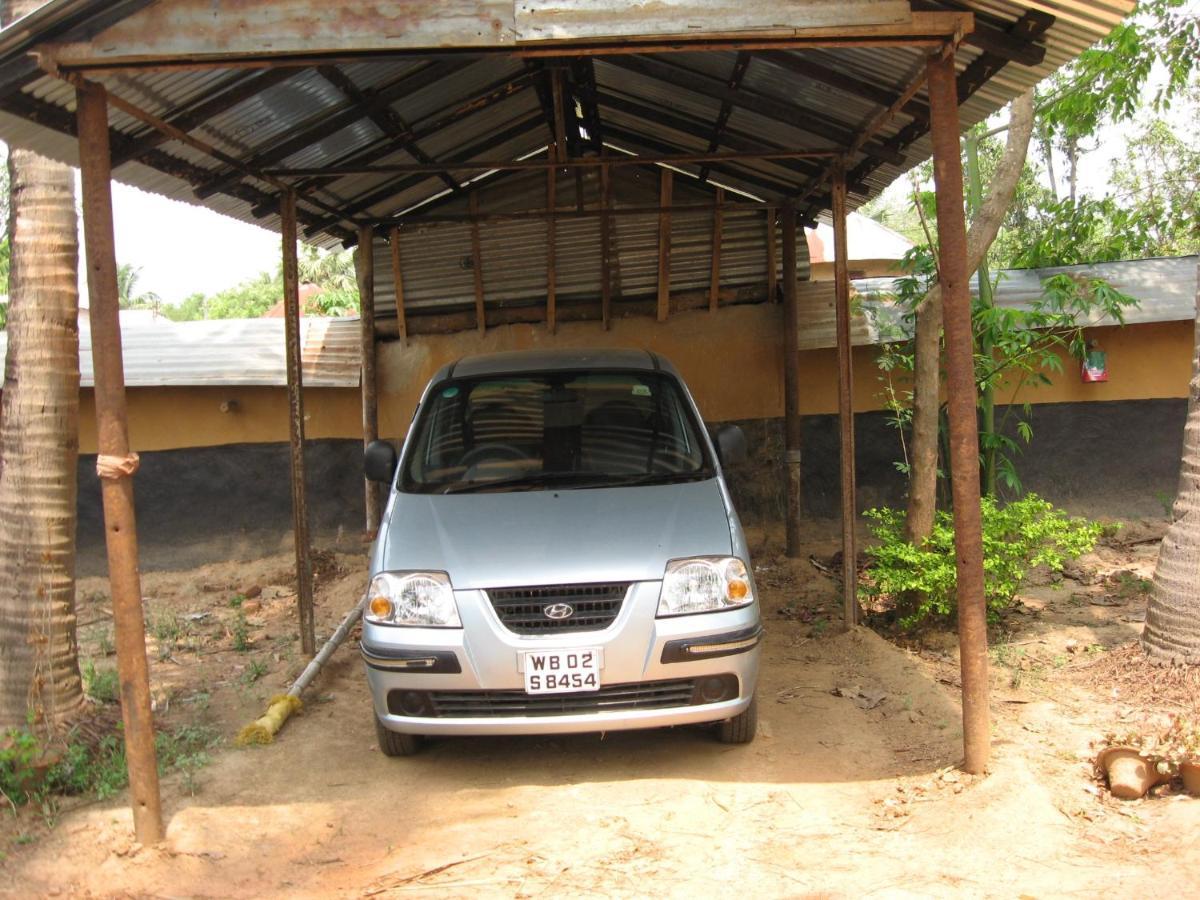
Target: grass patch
{"type": "Point", "coordinates": [101, 684]}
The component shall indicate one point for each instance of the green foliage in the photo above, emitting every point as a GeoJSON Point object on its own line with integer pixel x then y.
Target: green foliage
{"type": "Point", "coordinates": [920, 581]}
{"type": "Point", "coordinates": [241, 632]}
{"type": "Point", "coordinates": [333, 273]}
{"type": "Point", "coordinates": [101, 684]}
{"type": "Point", "coordinates": [128, 297]}
{"type": "Point", "coordinates": [1026, 347]}
{"type": "Point", "coordinates": [29, 774]}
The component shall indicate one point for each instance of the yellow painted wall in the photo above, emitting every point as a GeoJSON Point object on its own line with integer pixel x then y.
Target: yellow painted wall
{"type": "Point", "coordinates": [732, 361]}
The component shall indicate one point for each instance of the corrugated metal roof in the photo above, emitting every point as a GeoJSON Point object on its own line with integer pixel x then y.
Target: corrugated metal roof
{"type": "Point", "coordinates": [260, 123]}
{"type": "Point", "coordinates": [1165, 289]}
{"type": "Point", "coordinates": [161, 353]}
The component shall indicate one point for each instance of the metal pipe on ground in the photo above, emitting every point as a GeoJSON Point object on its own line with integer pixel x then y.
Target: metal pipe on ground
{"type": "Point", "coordinates": [281, 707]}
{"type": "Point", "coordinates": [964, 433]}
{"type": "Point", "coordinates": [115, 464]}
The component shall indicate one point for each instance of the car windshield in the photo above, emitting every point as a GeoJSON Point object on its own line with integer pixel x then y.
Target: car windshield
{"type": "Point", "coordinates": [554, 430]}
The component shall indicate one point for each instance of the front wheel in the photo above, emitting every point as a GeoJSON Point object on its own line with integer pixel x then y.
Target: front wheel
{"type": "Point", "coordinates": [393, 743]}
{"type": "Point", "coordinates": [742, 727]}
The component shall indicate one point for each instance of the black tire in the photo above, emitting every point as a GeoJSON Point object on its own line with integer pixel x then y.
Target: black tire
{"type": "Point", "coordinates": [393, 743]}
{"type": "Point", "coordinates": [742, 727]}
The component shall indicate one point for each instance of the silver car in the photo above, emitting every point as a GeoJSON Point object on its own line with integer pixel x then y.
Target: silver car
{"type": "Point", "coordinates": [559, 553]}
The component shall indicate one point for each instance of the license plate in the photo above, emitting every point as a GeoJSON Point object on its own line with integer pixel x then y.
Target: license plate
{"type": "Point", "coordinates": [561, 671]}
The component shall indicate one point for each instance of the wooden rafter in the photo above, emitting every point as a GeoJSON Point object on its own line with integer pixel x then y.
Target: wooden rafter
{"type": "Point", "coordinates": [386, 119]}
{"type": "Point", "coordinates": [768, 107]}
{"type": "Point", "coordinates": [740, 65]}
{"type": "Point", "coordinates": [806, 67]}
{"type": "Point", "coordinates": [331, 121]}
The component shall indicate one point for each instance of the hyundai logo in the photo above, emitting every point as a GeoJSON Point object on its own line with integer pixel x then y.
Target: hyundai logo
{"type": "Point", "coordinates": [559, 611]}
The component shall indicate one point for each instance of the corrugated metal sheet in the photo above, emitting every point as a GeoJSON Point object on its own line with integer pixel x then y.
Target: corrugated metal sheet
{"type": "Point", "coordinates": [437, 258]}
{"type": "Point", "coordinates": [1164, 288]}
{"type": "Point", "coordinates": [261, 122]}
{"type": "Point", "coordinates": [161, 353]}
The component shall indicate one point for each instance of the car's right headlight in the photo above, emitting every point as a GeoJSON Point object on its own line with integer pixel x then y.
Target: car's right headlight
{"type": "Point", "coordinates": [704, 584]}
{"type": "Point", "coordinates": [421, 599]}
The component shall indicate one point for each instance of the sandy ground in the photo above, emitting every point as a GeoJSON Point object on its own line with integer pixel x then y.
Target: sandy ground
{"type": "Point", "coordinates": [853, 795]}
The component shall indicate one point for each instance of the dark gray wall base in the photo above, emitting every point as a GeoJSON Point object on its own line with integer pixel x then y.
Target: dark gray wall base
{"type": "Point", "coordinates": [195, 506]}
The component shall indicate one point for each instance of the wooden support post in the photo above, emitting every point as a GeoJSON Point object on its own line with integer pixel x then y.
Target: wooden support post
{"type": "Point", "coordinates": [772, 263]}
{"type": "Point", "coordinates": [364, 265]}
{"type": "Point", "coordinates": [793, 433]}
{"type": "Point", "coordinates": [560, 126]}
{"type": "Point", "coordinates": [551, 251]}
{"type": "Point", "coordinates": [295, 379]}
{"type": "Point", "coordinates": [664, 246]}
{"type": "Point", "coordinates": [606, 248]}
{"type": "Point", "coordinates": [115, 464]}
{"type": "Point", "coordinates": [841, 279]}
{"type": "Point", "coordinates": [477, 265]}
{"type": "Point", "coordinates": [714, 281]}
{"type": "Point", "coordinates": [398, 280]}
{"type": "Point", "coordinates": [964, 434]}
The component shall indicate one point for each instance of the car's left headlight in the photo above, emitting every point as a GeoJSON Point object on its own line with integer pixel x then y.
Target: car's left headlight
{"type": "Point", "coordinates": [422, 599]}
{"type": "Point", "coordinates": [704, 584]}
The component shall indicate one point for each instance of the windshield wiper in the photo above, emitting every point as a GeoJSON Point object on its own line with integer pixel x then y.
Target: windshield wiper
{"type": "Point", "coordinates": [532, 479]}
{"type": "Point", "coordinates": [653, 478]}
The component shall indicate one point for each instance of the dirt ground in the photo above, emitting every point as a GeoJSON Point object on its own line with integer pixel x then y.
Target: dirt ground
{"type": "Point", "coordinates": [850, 788]}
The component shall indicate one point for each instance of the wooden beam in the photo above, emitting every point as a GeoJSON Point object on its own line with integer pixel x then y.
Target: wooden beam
{"type": "Point", "coordinates": [845, 358]}
{"type": "Point", "coordinates": [768, 107]}
{"type": "Point", "coordinates": [462, 317]}
{"type": "Point", "coordinates": [477, 264]}
{"type": "Point", "coordinates": [714, 280]}
{"type": "Point", "coordinates": [295, 384]}
{"type": "Point", "coordinates": [571, 213]}
{"type": "Point", "coordinates": [664, 245]}
{"type": "Point", "coordinates": [772, 265]}
{"type": "Point", "coordinates": [398, 280]}
{"type": "Point", "coordinates": [560, 127]}
{"type": "Point", "coordinates": [606, 201]}
{"type": "Point", "coordinates": [115, 464]}
{"type": "Point", "coordinates": [386, 119]}
{"type": "Point", "coordinates": [328, 122]}
{"type": "Point", "coordinates": [792, 423]}
{"type": "Point", "coordinates": [964, 426]}
{"type": "Point", "coordinates": [741, 65]}
{"type": "Point", "coordinates": [521, 165]}
{"type": "Point", "coordinates": [184, 34]}
{"type": "Point", "coordinates": [237, 90]}
{"type": "Point", "coordinates": [551, 250]}
{"type": "Point", "coordinates": [843, 81]}
{"type": "Point", "coordinates": [364, 265]}
{"type": "Point", "coordinates": [992, 36]}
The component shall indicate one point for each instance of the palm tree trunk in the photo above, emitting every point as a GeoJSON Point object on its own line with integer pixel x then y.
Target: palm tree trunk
{"type": "Point", "coordinates": [1172, 631]}
{"type": "Point", "coordinates": [39, 667]}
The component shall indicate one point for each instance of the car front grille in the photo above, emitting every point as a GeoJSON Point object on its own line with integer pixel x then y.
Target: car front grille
{"type": "Point", "coordinates": [611, 698]}
{"type": "Point", "coordinates": [593, 607]}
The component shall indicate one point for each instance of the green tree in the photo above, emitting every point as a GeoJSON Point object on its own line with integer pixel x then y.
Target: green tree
{"type": "Point", "coordinates": [128, 276]}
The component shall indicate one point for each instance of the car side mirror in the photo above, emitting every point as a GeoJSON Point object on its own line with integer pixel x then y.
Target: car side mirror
{"type": "Point", "coordinates": [731, 445]}
{"type": "Point", "coordinates": [379, 461]}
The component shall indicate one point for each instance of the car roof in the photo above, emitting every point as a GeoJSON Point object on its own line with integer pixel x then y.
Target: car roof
{"type": "Point", "coordinates": [523, 361]}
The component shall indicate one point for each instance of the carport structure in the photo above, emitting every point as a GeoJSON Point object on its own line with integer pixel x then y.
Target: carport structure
{"type": "Point", "coordinates": [375, 124]}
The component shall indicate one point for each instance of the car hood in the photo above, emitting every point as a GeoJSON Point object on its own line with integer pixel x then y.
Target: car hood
{"type": "Point", "coordinates": [556, 536]}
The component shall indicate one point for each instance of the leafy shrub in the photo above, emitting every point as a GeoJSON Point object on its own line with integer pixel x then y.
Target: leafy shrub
{"type": "Point", "coordinates": [920, 581]}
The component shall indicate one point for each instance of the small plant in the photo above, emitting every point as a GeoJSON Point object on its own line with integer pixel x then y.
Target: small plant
{"type": "Point", "coordinates": [920, 581]}
{"type": "Point", "coordinates": [105, 644]}
{"type": "Point", "coordinates": [237, 600]}
{"type": "Point", "coordinates": [255, 670]}
{"type": "Point", "coordinates": [1166, 500]}
{"type": "Point", "coordinates": [101, 684]}
{"type": "Point", "coordinates": [241, 633]}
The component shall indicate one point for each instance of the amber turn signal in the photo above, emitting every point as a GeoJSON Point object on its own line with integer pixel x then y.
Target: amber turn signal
{"type": "Point", "coordinates": [381, 607]}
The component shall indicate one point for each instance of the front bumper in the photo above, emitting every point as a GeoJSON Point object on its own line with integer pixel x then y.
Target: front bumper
{"type": "Point", "coordinates": [643, 656]}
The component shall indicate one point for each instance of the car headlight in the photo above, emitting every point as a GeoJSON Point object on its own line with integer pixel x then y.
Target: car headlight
{"type": "Point", "coordinates": [412, 598]}
{"type": "Point", "coordinates": [704, 584]}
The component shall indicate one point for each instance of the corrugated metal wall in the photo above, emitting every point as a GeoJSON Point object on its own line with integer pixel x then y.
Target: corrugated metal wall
{"type": "Point", "coordinates": [436, 258]}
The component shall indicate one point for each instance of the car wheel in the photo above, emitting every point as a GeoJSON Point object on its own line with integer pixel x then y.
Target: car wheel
{"type": "Point", "coordinates": [742, 727]}
{"type": "Point", "coordinates": [393, 743]}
